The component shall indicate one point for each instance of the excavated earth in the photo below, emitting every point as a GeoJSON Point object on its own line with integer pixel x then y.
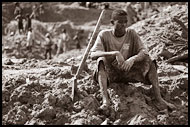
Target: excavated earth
{"type": "Point", "coordinates": [38, 92]}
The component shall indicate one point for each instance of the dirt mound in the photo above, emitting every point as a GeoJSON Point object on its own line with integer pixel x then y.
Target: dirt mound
{"type": "Point", "coordinates": [42, 97]}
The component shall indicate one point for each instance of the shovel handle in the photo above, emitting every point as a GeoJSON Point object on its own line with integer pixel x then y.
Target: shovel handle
{"type": "Point", "coordinates": [90, 44]}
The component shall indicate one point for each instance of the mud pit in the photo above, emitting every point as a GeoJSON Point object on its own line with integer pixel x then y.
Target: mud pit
{"type": "Point", "coordinates": [37, 92]}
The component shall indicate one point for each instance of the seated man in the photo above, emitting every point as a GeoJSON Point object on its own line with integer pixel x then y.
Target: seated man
{"type": "Point", "coordinates": [122, 57]}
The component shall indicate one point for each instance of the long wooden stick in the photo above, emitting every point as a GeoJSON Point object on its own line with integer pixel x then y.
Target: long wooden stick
{"type": "Point", "coordinates": [90, 44]}
{"type": "Point", "coordinates": [178, 58]}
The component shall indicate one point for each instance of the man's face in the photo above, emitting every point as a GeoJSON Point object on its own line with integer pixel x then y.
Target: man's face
{"type": "Point", "coordinates": [120, 25]}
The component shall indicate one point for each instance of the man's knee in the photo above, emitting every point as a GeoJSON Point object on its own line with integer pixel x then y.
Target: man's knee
{"type": "Point", "coordinates": [101, 63]}
{"type": "Point", "coordinates": [155, 64]}
{"type": "Point", "coordinates": [152, 74]}
{"type": "Point", "coordinates": [101, 66]}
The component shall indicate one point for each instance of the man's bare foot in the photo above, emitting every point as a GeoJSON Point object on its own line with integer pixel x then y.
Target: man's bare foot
{"type": "Point", "coordinates": [162, 104]}
{"type": "Point", "coordinates": [105, 106]}
{"type": "Point", "coordinates": [170, 105]}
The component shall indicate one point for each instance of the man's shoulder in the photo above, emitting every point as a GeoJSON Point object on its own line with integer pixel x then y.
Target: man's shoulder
{"type": "Point", "coordinates": [129, 30]}
{"type": "Point", "coordinates": [105, 31]}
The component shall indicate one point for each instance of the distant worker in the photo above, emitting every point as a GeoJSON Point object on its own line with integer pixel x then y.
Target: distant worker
{"type": "Point", "coordinates": [59, 47]}
{"type": "Point", "coordinates": [28, 22]}
{"type": "Point", "coordinates": [30, 40]}
{"type": "Point", "coordinates": [88, 4]}
{"type": "Point", "coordinates": [82, 4]}
{"type": "Point", "coordinates": [19, 19]}
{"type": "Point", "coordinates": [24, 25]}
{"type": "Point", "coordinates": [18, 9]}
{"type": "Point", "coordinates": [41, 8]}
{"type": "Point", "coordinates": [77, 39]}
{"type": "Point", "coordinates": [34, 12]}
{"type": "Point", "coordinates": [41, 11]}
{"type": "Point", "coordinates": [105, 5]}
{"type": "Point", "coordinates": [48, 44]}
{"type": "Point", "coordinates": [146, 7]}
{"type": "Point", "coordinates": [89, 36]}
{"type": "Point", "coordinates": [132, 14]}
{"type": "Point", "coordinates": [18, 46]}
{"type": "Point", "coordinates": [65, 39]}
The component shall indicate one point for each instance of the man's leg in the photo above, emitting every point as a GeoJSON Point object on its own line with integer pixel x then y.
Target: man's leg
{"type": "Point", "coordinates": [153, 78]}
{"type": "Point", "coordinates": [30, 49]}
{"type": "Point", "coordinates": [64, 47]}
{"type": "Point", "coordinates": [49, 53]}
{"type": "Point", "coordinates": [102, 80]}
{"type": "Point", "coordinates": [46, 51]}
{"type": "Point", "coordinates": [58, 51]}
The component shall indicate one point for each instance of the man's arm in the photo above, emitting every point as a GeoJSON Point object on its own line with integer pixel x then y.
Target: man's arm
{"type": "Point", "coordinates": [141, 55]}
{"type": "Point", "coordinates": [16, 17]}
{"type": "Point", "coordinates": [141, 49]}
{"type": "Point", "coordinates": [67, 37]}
{"type": "Point", "coordinates": [96, 54]}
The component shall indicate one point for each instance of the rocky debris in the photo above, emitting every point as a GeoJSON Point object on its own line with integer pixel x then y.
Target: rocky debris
{"type": "Point", "coordinates": [8, 62]}
{"type": "Point", "coordinates": [106, 122]}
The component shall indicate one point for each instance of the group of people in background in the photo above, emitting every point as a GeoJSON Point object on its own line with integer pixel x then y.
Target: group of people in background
{"type": "Point", "coordinates": [97, 5]}
{"type": "Point", "coordinates": [25, 25]}
{"type": "Point", "coordinates": [24, 21]}
{"type": "Point", "coordinates": [62, 43]}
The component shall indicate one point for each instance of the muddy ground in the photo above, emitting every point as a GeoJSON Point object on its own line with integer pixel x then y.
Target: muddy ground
{"type": "Point", "coordinates": [38, 92]}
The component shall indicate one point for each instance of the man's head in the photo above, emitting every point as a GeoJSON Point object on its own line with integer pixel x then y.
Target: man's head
{"type": "Point", "coordinates": [119, 20]}
{"type": "Point", "coordinates": [119, 15]}
{"type": "Point", "coordinates": [16, 3]}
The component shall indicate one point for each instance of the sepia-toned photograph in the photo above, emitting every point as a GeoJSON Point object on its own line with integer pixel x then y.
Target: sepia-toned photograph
{"type": "Point", "coordinates": [94, 63]}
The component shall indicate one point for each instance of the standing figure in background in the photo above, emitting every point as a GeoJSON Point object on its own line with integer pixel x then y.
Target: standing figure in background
{"type": "Point", "coordinates": [59, 47]}
{"type": "Point", "coordinates": [132, 14]}
{"type": "Point", "coordinates": [147, 7]}
{"type": "Point", "coordinates": [34, 12]}
{"type": "Point", "coordinates": [77, 39]}
{"type": "Point", "coordinates": [41, 11]}
{"type": "Point", "coordinates": [18, 46]}
{"type": "Point", "coordinates": [28, 22]}
{"type": "Point", "coordinates": [65, 40]}
{"type": "Point", "coordinates": [24, 25]}
{"type": "Point", "coordinates": [48, 44]}
{"type": "Point", "coordinates": [89, 36]}
{"type": "Point", "coordinates": [29, 40]}
{"type": "Point", "coordinates": [18, 9]}
{"type": "Point", "coordinates": [41, 8]}
{"type": "Point", "coordinates": [19, 19]}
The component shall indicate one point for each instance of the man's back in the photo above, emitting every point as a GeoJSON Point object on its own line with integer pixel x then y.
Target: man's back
{"type": "Point", "coordinates": [60, 43]}
{"type": "Point", "coordinates": [48, 43]}
{"type": "Point", "coordinates": [65, 37]}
